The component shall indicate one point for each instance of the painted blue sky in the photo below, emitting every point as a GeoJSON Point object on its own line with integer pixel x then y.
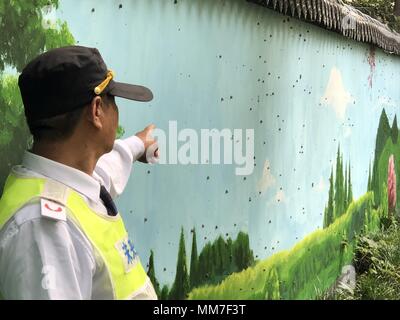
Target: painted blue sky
{"type": "Point", "coordinates": [302, 89]}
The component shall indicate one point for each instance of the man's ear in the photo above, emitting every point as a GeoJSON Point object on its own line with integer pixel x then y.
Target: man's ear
{"type": "Point", "coordinates": [95, 112]}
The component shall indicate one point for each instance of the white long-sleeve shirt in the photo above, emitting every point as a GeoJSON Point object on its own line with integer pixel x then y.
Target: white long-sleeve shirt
{"type": "Point", "coordinates": [40, 259]}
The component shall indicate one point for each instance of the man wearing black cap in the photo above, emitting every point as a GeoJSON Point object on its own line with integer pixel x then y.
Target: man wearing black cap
{"type": "Point", "coordinates": [61, 235]}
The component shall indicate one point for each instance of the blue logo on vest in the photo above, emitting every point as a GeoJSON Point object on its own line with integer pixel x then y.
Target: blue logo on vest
{"type": "Point", "coordinates": [128, 253]}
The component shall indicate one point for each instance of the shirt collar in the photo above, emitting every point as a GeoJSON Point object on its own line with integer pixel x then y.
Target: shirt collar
{"type": "Point", "coordinates": [71, 177]}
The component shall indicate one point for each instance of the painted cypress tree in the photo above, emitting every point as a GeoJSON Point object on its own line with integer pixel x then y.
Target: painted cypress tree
{"type": "Point", "coordinates": [369, 186]}
{"type": "Point", "coordinates": [342, 195]}
{"type": "Point", "coordinates": [329, 212]}
{"type": "Point", "coordinates": [194, 262]}
{"type": "Point", "coordinates": [220, 253]}
{"type": "Point", "coordinates": [164, 293]}
{"type": "Point", "coordinates": [204, 265]}
{"type": "Point", "coordinates": [152, 274]}
{"type": "Point", "coordinates": [229, 248]}
{"type": "Point", "coordinates": [395, 130]}
{"type": "Point", "coordinates": [180, 288]}
{"type": "Point", "coordinates": [225, 257]}
{"type": "Point", "coordinates": [337, 186]}
{"type": "Point", "coordinates": [345, 190]}
{"type": "Point", "coordinates": [214, 262]}
{"type": "Point", "coordinates": [384, 132]}
{"type": "Point", "coordinates": [350, 192]}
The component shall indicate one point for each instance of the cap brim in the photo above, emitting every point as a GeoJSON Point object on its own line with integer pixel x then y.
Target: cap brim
{"type": "Point", "coordinates": [131, 91]}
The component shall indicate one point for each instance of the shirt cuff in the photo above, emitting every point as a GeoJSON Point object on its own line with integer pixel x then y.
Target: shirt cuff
{"type": "Point", "coordinates": [136, 146]}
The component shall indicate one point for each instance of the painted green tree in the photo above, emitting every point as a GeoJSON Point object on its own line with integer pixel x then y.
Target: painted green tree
{"type": "Point", "coordinates": [329, 215]}
{"type": "Point", "coordinates": [350, 188]}
{"type": "Point", "coordinates": [384, 132]}
{"type": "Point", "coordinates": [395, 130]}
{"type": "Point", "coordinates": [242, 254]}
{"type": "Point", "coordinates": [194, 262]}
{"type": "Point", "coordinates": [180, 287]}
{"type": "Point", "coordinates": [340, 191]}
{"type": "Point", "coordinates": [219, 259]}
{"type": "Point", "coordinates": [339, 188]}
{"type": "Point", "coordinates": [369, 186]}
{"type": "Point", "coordinates": [164, 293]}
{"type": "Point", "coordinates": [152, 274]}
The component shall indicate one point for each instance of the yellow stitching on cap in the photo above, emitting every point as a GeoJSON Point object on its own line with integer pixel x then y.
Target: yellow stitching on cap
{"type": "Point", "coordinates": [100, 88]}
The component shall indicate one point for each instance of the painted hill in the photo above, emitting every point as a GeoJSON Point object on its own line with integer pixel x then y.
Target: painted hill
{"type": "Point", "coordinates": [308, 268]}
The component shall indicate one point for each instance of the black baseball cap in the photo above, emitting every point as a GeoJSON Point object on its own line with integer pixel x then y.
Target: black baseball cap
{"type": "Point", "coordinates": [64, 79]}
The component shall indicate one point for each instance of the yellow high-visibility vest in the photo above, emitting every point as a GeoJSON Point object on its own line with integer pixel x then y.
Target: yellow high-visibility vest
{"type": "Point", "coordinates": [107, 234]}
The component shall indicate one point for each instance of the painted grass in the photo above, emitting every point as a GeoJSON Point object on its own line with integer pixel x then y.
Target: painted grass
{"type": "Point", "coordinates": [309, 268]}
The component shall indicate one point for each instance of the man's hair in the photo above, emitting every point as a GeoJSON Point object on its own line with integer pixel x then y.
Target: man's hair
{"type": "Point", "coordinates": [60, 127]}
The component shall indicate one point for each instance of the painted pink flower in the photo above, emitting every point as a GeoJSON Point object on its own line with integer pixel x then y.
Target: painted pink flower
{"type": "Point", "coordinates": [391, 186]}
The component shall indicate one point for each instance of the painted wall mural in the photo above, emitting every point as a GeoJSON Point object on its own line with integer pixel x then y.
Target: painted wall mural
{"type": "Point", "coordinates": [326, 150]}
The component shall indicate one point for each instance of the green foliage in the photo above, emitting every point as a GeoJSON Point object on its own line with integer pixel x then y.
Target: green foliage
{"type": "Point", "coordinates": [384, 132]}
{"type": "Point", "coordinates": [216, 261]}
{"type": "Point", "coordinates": [377, 262]}
{"type": "Point", "coordinates": [382, 280]}
{"type": "Point", "coordinates": [59, 36]}
{"type": "Point", "coordinates": [384, 202]}
{"type": "Point", "coordinates": [272, 290]}
{"type": "Point", "coordinates": [340, 192]}
{"type": "Point", "coordinates": [369, 186]}
{"type": "Point", "coordinates": [180, 288]}
{"type": "Point", "coordinates": [395, 130]}
{"type": "Point", "coordinates": [312, 265]}
{"type": "Point", "coordinates": [328, 216]}
{"type": "Point", "coordinates": [383, 10]}
{"type": "Point", "coordinates": [11, 108]}
{"type": "Point", "coordinates": [152, 275]}
{"type": "Point", "coordinates": [242, 254]}
{"type": "Point", "coordinates": [221, 258]}
{"type": "Point", "coordinates": [23, 36]}
{"type": "Point", "coordinates": [14, 134]}
{"type": "Point", "coordinates": [350, 189]}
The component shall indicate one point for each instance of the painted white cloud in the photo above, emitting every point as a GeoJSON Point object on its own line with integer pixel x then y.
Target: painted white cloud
{"type": "Point", "coordinates": [336, 96]}
{"type": "Point", "coordinates": [280, 196]}
{"type": "Point", "coordinates": [267, 180]}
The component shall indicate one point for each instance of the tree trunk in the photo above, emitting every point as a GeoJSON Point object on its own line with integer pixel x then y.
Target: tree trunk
{"type": "Point", "coordinates": [397, 8]}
